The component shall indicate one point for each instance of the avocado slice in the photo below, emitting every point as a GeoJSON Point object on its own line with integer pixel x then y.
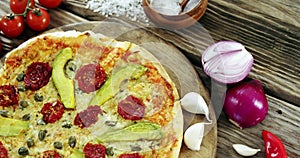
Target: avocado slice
{"type": "Point", "coordinates": [12, 127]}
{"type": "Point", "coordinates": [138, 131]}
{"type": "Point", "coordinates": [63, 84]}
{"type": "Point", "coordinates": [77, 154]}
{"type": "Point", "coordinates": [111, 86]}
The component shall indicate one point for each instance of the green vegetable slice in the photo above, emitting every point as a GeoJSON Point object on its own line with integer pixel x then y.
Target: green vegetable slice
{"type": "Point", "coordinates": [63, 84]}
{"type": "Point", "coordinates": [111, 86]}
{"type": "Point", "coordinates": [138, 131]}
{"type": "Point", "coordinates": [12, 127]}
{"type": "Point", "coordinates": [77, 154]}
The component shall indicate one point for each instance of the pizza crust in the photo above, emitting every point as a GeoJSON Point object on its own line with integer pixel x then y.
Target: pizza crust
{"type": "Point", "coordinates": [176, 123]}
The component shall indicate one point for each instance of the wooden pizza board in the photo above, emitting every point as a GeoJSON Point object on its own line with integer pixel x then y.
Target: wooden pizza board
{"type": "Point", "coordinates": [178, 67]}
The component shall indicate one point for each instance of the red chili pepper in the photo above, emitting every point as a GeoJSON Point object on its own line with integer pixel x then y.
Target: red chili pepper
{"type": "Point", "coordinates": [273, 145]}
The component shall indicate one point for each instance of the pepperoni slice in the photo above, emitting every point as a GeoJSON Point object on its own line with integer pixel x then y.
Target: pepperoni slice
{"type": "Point", "coordinates": [134, 155]}
{"type": "Point", "coordinates": [3, 151]}
{"type": "Point", "coordinates": [131, 108]}
{"type": "Point", "coordinates": [37, 75]}
{"type": "Point", "coordinates": [8, 95]}
{"type": "Point", "coordinates": [90, 77]}
{"type": "Point", "coordinates": [52, 111]}
{"type": "Point", "coordinates": [50, 154]}
{"type": "Point", "coordinates": [87, 117]}
{"type": "Point", "coordinates": [94, 151]}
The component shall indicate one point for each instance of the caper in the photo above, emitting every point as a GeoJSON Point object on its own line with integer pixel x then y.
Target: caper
{"type": "Point", "coordinates": [58, 145]}
{"type": "Point", "coordinates": [40, 122]}
{"type": "Point", "coordinates": [23, 104]}
{"type": "Point", "coordinates": [71, 65]}
{"type": "Point", "coordinates": [70, 69]}
{"type": "Point", "coordinates": [72, 141]}
{"type": "Point", "coordinates": [26, 117]}
{"type": "Point", "coordinates": [42, 135]}
{"type": "Point", "coordinates": [66, 124]}
{"type": "Point", "coordinates": [23, 151]}
{"type": "Point", "coordinates": [110, 151]}
{"type": "Point", "coordinates": [135, 148]}
{"type": "Point", "coordinates": [20, 77]}
{"type": "Point", "coordinates": [21, 88]}
{"type": "Point", "coordinates": [4, 113]}
{"type": "Point", "coordinates": [30, 142]}
{"type": "Point", "coordinates": [38, 97]}
{"type": "Point", "coordinates": [110, 123]}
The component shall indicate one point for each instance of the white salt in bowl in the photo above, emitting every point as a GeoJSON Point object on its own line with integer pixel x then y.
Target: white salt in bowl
{"type": "Point", "coordinates": [175, 22]}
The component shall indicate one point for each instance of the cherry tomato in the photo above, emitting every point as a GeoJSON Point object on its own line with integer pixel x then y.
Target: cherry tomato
{"type": "Point", "coordinates": [19, 6]}
{"type": "Point", "coordinates": [50, 3]}
{"type": "Point", "coordinates": [12, 25]}
{"type": "Point", "coordinates": [38, 19]}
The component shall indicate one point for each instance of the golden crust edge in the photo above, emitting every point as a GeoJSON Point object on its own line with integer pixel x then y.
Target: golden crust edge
{"type": "Point", "coordinates": [178, 117]}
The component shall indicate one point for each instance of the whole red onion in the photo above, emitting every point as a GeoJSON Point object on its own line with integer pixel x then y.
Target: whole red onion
{"type": "Point", "coordinates": [246, 104]}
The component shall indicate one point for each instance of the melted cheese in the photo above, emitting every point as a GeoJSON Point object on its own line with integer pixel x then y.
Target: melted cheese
{"type": "Point", "coordinates": [151, 88]}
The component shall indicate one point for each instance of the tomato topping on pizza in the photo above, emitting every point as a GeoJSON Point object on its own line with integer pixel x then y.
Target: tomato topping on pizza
{"type": "Point", "coordinates": [3, 151]}
{"type": "Point", "coordinates": [52, 111]}
{"type": "Point", "coordinates": [37, 75]}
{"type": "Point", "coordinates": [50, 154]}
{"type": "Point", "coordinates": [8, 95]}
{"type": "Point", "coordinates": [94, 151]}
{"type": "Point", "coordinates": [87, 117]}
{"type": "Point", "coordinates": [131, 108]}
{"type": "Point", "coordinates": [90, 77]}
{"type": "Point", "coordinates": [134, 155]}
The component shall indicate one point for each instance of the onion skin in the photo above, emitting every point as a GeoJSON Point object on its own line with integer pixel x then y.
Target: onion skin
{"type": "Point", "coordinates": [246, 104]}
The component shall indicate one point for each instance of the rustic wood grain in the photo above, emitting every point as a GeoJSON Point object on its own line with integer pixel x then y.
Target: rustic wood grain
{"type": "Point", "coordinates": [269, 30]}
{"type": "Point", "coordinates": [282, 119]}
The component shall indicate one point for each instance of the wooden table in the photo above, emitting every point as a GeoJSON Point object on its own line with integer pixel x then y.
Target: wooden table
{"type": "Point", "coordinates": [270, 30]}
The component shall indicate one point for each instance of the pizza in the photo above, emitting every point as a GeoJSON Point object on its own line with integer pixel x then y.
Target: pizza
{"type": "Point", "coordinates": [80, 94]}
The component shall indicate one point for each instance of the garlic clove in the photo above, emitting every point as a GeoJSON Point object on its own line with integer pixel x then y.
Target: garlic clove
{"type": "Point", "coordinates": [193, 136]}
{"type": "Point", "coordinates": [194, 103]}
{"type": "Point", "coordinates": [244, 150]}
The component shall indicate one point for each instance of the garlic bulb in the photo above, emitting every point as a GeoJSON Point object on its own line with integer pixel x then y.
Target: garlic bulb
{"type": "Point", "coordinates": [194, 103]}
{"type": "Point", "coordinates": [244, 150]}
{"type": "Point", "coordinates": [193, 136]}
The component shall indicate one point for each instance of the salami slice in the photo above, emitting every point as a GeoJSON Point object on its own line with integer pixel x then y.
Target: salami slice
{"type": "Point", "coordinates": [51, 154]}
{"type": "Point", "coordinates": [131, 108]}
{"type": "Point", "coordinates": [87, 117]}
{"type": "Point", "coordinates": [3, 151]}
{"type": "Point", "coordinates": [52, 111]}
{"type": "Point", "coordinates": [37, 75]}
{"type": "Point", "coordinates": [8, 95]}
{"type": "Point", "coordinates": [90, 77]}
{"type": "Point", "coordinates": [94, 151]}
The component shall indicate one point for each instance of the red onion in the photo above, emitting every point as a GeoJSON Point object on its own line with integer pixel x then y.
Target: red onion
{"type": "Point", "coordinates": [227, 61]}
{"type": "Point", "coordinates": [246, 104]}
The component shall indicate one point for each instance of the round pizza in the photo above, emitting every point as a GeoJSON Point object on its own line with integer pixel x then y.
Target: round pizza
{"type": "Point", "coordinates": [80, 94]}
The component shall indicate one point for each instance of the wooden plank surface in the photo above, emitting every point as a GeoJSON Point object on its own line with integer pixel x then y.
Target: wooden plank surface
{"type": "Point", "coordinates": [268, 29]}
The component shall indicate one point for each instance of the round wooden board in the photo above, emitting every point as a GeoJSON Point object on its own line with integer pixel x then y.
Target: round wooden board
{"type": "Point", "coordinates": [177, 65]}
